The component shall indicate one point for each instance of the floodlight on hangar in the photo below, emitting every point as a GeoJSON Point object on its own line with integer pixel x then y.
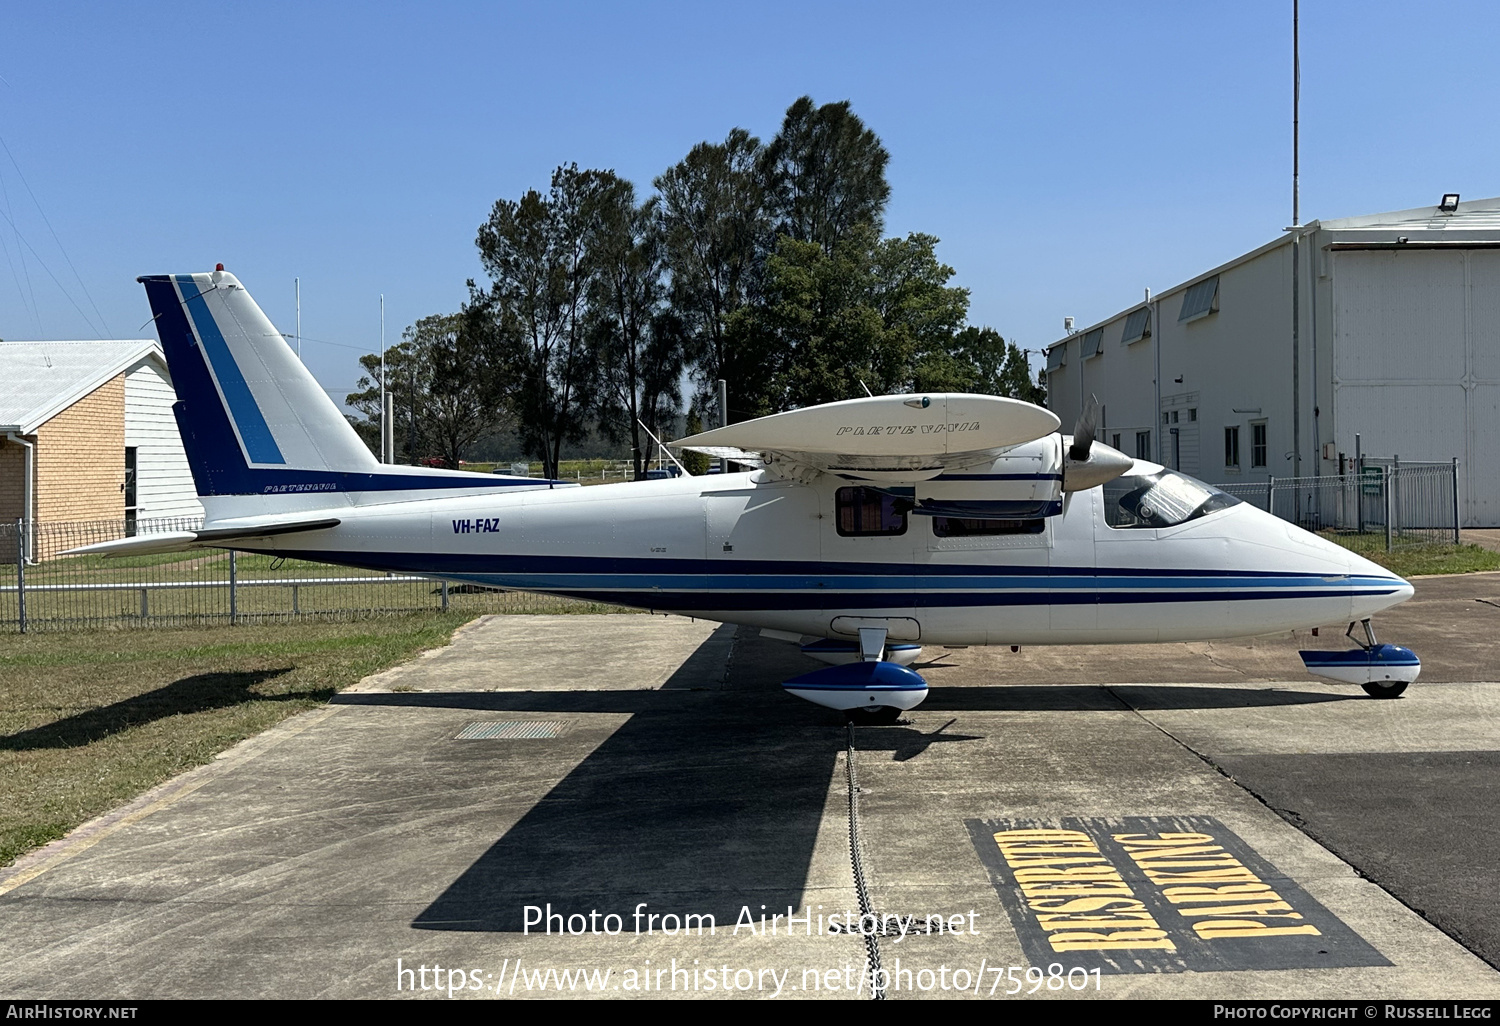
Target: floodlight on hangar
{"type": "Point", "coordinates": [1450, 202]}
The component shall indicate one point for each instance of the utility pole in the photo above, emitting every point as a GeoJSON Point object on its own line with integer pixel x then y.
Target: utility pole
{"type": "Point", "coordinates": [1296, 249]}
{"type": "Point", "coordinates": [385, 456]}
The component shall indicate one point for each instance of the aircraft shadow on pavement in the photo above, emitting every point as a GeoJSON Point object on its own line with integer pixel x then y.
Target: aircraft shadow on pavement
{"type": "Point", "coordinates": [710, 797]}
{"type": "Point", "coordinates": [700, 803]}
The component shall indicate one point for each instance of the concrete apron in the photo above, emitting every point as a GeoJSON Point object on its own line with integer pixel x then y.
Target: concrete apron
{"type": "Point", "coordinates": [631, 764]}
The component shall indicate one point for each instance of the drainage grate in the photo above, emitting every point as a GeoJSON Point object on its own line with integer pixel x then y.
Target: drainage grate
{"type": "Point", "coordinates": [509, 730]}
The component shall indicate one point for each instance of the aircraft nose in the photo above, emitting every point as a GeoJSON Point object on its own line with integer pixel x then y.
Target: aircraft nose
{"type": "Point", "coordinates": [1385, 589]}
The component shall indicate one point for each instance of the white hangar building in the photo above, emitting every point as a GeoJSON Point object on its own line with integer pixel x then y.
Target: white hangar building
{"type": "Point", "coordinates": [1397, 340]}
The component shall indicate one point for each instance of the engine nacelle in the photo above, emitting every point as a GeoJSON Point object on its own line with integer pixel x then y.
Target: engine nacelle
{"type": "Point", "coordinates": [1025, 483]}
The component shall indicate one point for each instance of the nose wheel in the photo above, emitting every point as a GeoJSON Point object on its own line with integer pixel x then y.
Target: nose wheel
{"type": "Point", "coordinates": [1383, 671]}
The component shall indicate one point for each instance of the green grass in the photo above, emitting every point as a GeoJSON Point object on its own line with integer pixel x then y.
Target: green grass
{"type": "Point", "coordinates": [1418, 560]}
{"type": "Point", "coordinates": [89, 721]}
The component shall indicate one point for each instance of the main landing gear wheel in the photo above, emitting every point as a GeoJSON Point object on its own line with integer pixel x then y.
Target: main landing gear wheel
{"type": "Point", "coordinates": [876, 716]}
{"type": "Point", "coordinates": [1384, 688]}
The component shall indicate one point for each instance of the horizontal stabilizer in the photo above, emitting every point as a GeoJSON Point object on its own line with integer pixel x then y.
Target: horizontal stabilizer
{"type": "Point", "coordinates": [221, 535]}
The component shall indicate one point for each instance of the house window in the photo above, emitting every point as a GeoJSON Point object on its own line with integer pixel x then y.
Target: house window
{"type": "Point", "coordinates": [866, 512]}
{"type": "Point", "coordinates": [1137, 326]}
{"type": "Point", "coordinates": [1057, 356]}
{"type": "Point", "coordinates": [130, 490]}
{"type": "Point", "coordinates": [1115, 440]}
{"type": "Point", "coordinates": [1143, 445]}
{"type": "Point", "coordinates": [1232, 447]}
{"type": "Point", "coordinates": [1093, 343]}
{"type": "Point", "coordinates": [1200, 300]}
{"type": "Point", "coordinates": [1258, 444]}
{"type": "Point", "coordinates": [1193, 413]}
{"type": "Point", "coordinates": [955, 527]}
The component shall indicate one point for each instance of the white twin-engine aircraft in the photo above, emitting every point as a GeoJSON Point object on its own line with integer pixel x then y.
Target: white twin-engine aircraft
{"type": "Point", "coordinates": [866, 529]}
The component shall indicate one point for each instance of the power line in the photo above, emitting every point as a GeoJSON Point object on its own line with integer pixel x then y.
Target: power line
{"type": "Point", "coordinates": [59, 284]}
{"type": "Point", "coordinates": [55, 239]}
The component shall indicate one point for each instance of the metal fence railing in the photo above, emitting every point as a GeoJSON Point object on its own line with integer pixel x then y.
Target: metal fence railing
{"type": "Point", "coordinates": [1376, 504]}
{"type": "Point", "coordinates": [41, 589]}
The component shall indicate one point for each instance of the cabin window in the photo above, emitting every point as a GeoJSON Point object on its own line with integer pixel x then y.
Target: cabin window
{"type": "Point", "coordinates": [864, 512]}
{"type": "Point", "coordinates": [957, 527]}
{"type": "Point", "coordinates": [1163, 499]}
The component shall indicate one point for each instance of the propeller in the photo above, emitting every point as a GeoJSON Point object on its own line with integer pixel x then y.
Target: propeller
{"type": "Point", "coordinates": [1084, 466]}
{"type": "Point", "coordinates": [1083, 431]}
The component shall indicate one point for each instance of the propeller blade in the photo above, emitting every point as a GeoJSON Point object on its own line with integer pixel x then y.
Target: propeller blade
{"type": "Point", "coordinates": [1083, 431]}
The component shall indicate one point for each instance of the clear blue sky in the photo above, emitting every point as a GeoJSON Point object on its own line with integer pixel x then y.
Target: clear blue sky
{"type": "Point", "coordinates": [1066, 154]}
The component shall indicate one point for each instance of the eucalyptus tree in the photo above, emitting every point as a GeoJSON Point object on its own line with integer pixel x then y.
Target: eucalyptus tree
{"type": "Point", "coordinates": [638, 342]}
{"type": "Point", "coordinates": [862, 316]}
{"type": "Point", "coordinates": [445, 384]}
{"type": "Point", "coordinates": [536, 252]}
{"type": "Point", "coordinates": [978, 360]}
{"type": "Point", "coordinates": [715, 232]}
{"type": "Point", "coordinates": [824, 173]}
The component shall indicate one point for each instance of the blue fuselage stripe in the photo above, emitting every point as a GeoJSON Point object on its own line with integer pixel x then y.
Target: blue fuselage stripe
{"type": "Point", "coordinates": [750, 584]}
{"type": "Point", "coordinates": [260, 446]}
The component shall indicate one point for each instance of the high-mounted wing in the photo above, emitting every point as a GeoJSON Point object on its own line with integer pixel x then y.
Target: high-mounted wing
{"type": "Point", "coordinates": [886, 438]}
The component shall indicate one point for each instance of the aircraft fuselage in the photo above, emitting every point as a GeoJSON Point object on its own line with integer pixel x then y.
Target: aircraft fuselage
{"type": "Point", "coordinates": [748, 548]}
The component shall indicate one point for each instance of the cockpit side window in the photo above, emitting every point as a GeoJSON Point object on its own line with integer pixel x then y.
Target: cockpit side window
{"type": "Point", "coordinates": [1163, 499]}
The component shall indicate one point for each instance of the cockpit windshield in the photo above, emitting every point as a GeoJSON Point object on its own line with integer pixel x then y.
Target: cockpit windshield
{"type": "Point", "coordinates": [1163, 499]}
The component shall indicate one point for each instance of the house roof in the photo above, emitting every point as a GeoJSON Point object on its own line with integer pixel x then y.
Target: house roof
{"type": "Point", "coordinates": [1479, 215]}
{"type": "Point", "coordinates": [38, 380]}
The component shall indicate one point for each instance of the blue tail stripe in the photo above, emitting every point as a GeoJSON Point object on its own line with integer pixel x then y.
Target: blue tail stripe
{"type": "Point", "coordinates": [253, 429]}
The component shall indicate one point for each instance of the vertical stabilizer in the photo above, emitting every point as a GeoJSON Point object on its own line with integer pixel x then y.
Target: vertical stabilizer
{"type": "Point", "coordinates": [255, 422]}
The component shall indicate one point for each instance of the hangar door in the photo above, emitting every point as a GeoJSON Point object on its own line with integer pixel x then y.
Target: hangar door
{"type": "Point", "coordinates": [1417, 362]}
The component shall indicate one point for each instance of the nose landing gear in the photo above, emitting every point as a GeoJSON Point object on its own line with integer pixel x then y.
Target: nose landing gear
{"type": "Point", "coordinates": [1383, 671]}
{"type": "Point", "coordinates": [871, 691]}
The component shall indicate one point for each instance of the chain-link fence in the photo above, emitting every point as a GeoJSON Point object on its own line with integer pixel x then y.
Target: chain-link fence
{"type": "Point", "coordinates": [1375, 504]}
{"type": "Point", "coordinates": [41, 589]}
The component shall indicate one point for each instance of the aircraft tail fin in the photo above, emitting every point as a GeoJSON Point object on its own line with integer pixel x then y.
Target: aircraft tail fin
{"type": "Point", "coordinates": [255, 422]}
